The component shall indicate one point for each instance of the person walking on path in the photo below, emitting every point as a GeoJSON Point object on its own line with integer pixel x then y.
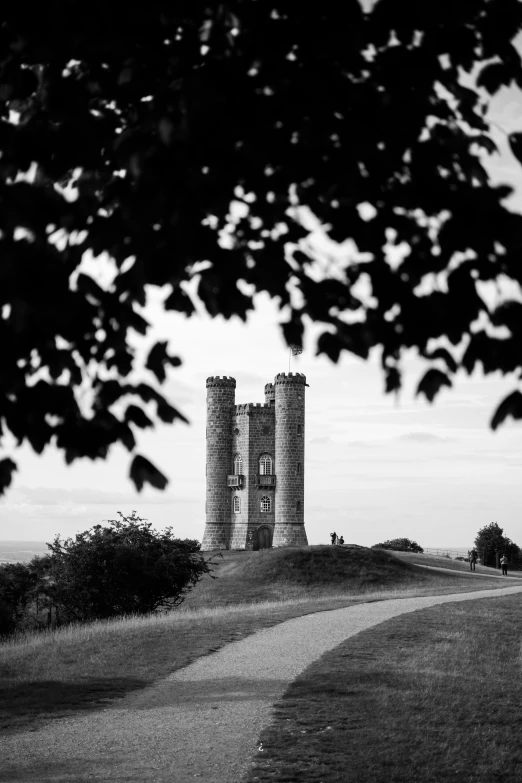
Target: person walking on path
{"type": "Point", "coordinates": [473, 557]}
{"type": "Point", "coordinates": [503, 563]}
{"type": "Point", "coordinates": [333, 536]}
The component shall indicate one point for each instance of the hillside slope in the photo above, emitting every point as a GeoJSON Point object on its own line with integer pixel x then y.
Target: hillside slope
{"type": "Point", "coordinates": [272, 574]}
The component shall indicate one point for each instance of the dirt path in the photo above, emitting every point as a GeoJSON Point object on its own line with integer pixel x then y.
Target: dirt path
{"type": "Point", "coordinates": [203, 721]}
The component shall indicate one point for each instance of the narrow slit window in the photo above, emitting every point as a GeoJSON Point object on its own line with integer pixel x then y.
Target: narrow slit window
{"type": "Point", "coordinates": [265, 465]}
{"type": "Point", "coordinates": [299, 429]}
{"type": "Point", "coordinates": [237, 504]}
{"type": "Point", "coordinates": [298, 506]}
{"type": "Point", "coordinates": [238, 464]}
{"type": "Point", "coordinates": [299, 467]}
{"type": "Point", "coordinates": [265, 503]}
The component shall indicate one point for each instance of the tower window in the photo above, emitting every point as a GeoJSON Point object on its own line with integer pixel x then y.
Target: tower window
{"type": "Point", "coordinates": [265, 465]}
{"type": "Point", "coordinates": [299, 467]}
{"type": "Point", "coordinates": [299, 429]}
{"type": "Point", "coordinates": [237, 504]}
{"type": "Point", "coordinates": [238, 464]}
{"type": "Point", "coordinates": [265, 503]}
{"type": "Point", "coordinates": [298, 505]}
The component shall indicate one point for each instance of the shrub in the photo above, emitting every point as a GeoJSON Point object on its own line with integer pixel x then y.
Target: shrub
{"type": "Point", "coordinates": [400, 545]}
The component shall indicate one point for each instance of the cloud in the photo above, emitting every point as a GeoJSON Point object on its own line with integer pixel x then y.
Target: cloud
{"type": "Point", "coordinates": [67, 498]}
{"type": "Point", "coordinates": [326, 439]}
{"type": "Point", "coordinates": [424, 437]}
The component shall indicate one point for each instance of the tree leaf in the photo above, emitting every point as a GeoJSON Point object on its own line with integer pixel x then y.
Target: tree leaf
{"type": "Point", "coordinates": [515, 142]}
{"type": "Point", "coordinates": [494, 76]}
{"type": "Point", "coordinates": [137, 416]}
{"type": "Point", "coordinates": [143, 472]}
{"type": "Point", "coordinates": [158, 357]}
{"type": "Point", "coordinates": [7, 468]}
{"type": "Point", "coordinates": [431, 384]}
{"type": "Point", "coordinates": [510, 406]}
{"type": "Point", "coordinates": [444, 354]}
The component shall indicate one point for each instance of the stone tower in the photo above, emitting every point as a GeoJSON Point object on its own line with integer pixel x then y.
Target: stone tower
{"type": "Point", "coordinates": [221, 394]}
{"type": "Point", "coordinates": [255, 466]}
{"type": "Point", "coordinates": [289, 460]}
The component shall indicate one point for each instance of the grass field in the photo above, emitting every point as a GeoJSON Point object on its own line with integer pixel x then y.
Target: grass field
{"type": "Point", "coordinates": [81, 667]}
{"type": "Point", "coordinates": [432, 696]}
{"type": "Point", "coordinates": [439, 561]}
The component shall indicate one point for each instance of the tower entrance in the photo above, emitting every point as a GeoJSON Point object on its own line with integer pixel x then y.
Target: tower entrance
{"type": "Point", "coordinates": [263, 538]}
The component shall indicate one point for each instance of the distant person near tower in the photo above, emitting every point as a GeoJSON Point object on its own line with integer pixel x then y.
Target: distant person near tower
{"type": "Point", "coordinates": [504, 564]}
{"type": "Point", "coordinates": [473, 557]}
{"type": "Point", "coordinates": [333, 536]}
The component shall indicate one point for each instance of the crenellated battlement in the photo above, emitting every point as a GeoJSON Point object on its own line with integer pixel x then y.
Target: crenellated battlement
{"type": "Point", "coordinates": [224, 381]}
{"type": "Point", "coordinates": [294, 378]}
{"type": "Point", "coordinates": [252, 407]}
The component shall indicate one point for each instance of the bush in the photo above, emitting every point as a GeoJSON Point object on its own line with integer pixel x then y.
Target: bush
{"type": "Point", "coordinates": [400, 545]}
{"type": "Point", "coordinates": [126, 568]}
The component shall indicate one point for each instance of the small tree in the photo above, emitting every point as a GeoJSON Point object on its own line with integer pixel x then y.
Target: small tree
{"type": "Point", "coordinates": [400, 545]}
{"type": "Point", "coordinates": [125, 568]}
{"type": "Point", "coordinates": [490, 539]}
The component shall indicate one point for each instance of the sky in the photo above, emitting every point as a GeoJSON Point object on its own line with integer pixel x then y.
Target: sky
{"type": "Point", "coordinates": [376, 466]}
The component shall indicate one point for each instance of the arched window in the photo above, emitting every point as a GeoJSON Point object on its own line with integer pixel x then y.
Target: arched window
{"type": "Point", "coordinates": [237, 504]}
{"type": "Point", "coordinates": [238, 464]}
{"type": "Point", "coordinates": [265, 465]}
{"type": "Point", "coordinates": [299, 467]}
{"type": "Point", "coordinates": [265, 503]}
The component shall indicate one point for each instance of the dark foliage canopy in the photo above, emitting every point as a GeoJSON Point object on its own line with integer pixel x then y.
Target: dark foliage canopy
{"type": "Point", "coordinates": [162, 114]}
{"type": "Point", "coordinates": [400, 545]}
{"type": "Point", "coordinates": [491, 538]}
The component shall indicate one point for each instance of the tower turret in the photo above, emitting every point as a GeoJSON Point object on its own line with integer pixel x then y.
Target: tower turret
{"type": "Point", "coordinates": [269, 394]}
{"type": "Point", "coordinates": [289, 459]}
{"type": "Point", "coordinates": [221, 393]}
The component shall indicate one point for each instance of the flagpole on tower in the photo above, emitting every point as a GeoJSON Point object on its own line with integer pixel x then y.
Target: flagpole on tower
{"type": "Point", "coordinates": [295, 350]}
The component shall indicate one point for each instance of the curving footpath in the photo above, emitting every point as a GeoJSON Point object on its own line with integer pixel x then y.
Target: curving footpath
{"type": "Point", "coordinates": [203, 721]}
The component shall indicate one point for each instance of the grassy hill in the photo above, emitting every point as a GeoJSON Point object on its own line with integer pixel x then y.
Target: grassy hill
{"type": "Point", "coordinates": [314, 571]}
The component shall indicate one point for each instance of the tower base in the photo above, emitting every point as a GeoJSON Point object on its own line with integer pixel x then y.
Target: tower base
{"type": "Point", "coordinates": [216, 536]}
{"type": "Point", "coordinates": [290, 534]}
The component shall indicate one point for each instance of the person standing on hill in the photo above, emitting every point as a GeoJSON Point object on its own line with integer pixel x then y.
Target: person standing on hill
{"type": "Point", "coordinates": [503, 563]}
{"type": "Point", "coordinates": [473, 557]}
{"type": "Point", "coordinates": [341, 540]}
{"type": "Point", "coordinates": [333, 536]}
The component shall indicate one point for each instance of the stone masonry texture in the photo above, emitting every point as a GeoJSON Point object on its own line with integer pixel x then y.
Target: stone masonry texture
{"type": "Point", "coordinates": [275, 428]}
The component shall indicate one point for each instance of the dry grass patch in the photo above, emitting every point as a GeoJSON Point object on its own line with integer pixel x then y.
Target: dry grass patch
{"type": "Point", "coordinates": [432, 696]}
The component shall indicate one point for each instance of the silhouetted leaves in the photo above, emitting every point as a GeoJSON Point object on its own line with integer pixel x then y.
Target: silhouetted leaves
{"type": "Point", "coordinates": [444, 354]}
{"type": "Point", "coordinates": [7, 468]}
{"type": "Point", "coordinates": [510, 406]}
{"type": "Point", "coordinates": [158, 357]}
{"type": "Point", "coordinates": [280, 113]}
{"type": "Point", "coordinates": [143, 472]}
{"type": "Point", "coordinates": [515, 142]}
{"type": "Point", "coordinates": [431, 383]}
